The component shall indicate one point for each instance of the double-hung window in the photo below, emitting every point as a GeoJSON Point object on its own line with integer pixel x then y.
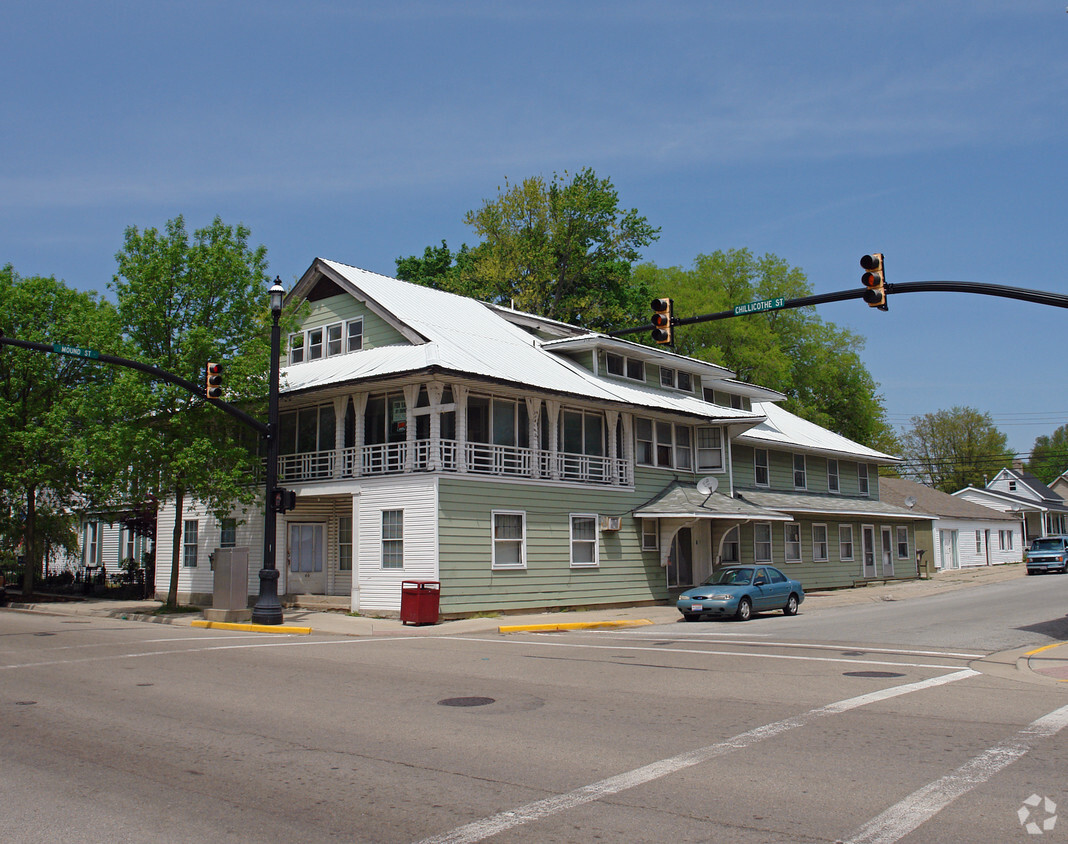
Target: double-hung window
{"type": "Point", "coordinates": [709, 449]}
{"type": "Point", "coordinates": [902, 543]}
{"type": "Point", "coordinates": [228, 533]}
{"type": "Point", "coordinates": [392, 539]}
{"type": "Point", "coordinates": [793, 542]}
{"type": "Point", "coordinates": [344, 543]}
{"type": "Point", "coordinates": [760, 467]}
{"type": "Point", "coordinates": [845, 542]}
{"type": "Point", "coordinates": [583, 540]}
{"type": "Point", "coordinates": [762, 542]}
{"type": "Point", "coordinates": [800, 473]}
{"type": "Point", "coordinates": [862, 478]}
{"type": "Point", "coordinates": [819, 543]}
{"type": "Point", "coordinates": [189, 543]}
{"type": "Point", "coordinates": [832, 475]}
{"type": "Point", "coordinates": [509, 540]}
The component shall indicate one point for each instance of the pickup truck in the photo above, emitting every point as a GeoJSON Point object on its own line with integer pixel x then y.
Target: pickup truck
{"type": "Point", "coordinates": [1047, 553]}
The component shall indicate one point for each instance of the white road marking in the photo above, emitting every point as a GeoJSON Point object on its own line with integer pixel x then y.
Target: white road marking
{"type": "Point", "coordinates": [494, 824]}
{"type": "Point", "coordinates": [924, 803]}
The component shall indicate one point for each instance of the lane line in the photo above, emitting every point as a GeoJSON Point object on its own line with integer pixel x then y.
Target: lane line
{"type": "Point", "coordinates": [494, 824]}
{"type": "Point", "coordinates": [924, 803]}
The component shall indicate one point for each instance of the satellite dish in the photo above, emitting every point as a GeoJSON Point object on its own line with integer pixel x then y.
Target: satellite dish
{"type": "Point", "coordinates": [706, 486]}
{"type": "Point", "coordinates": [910, 502]}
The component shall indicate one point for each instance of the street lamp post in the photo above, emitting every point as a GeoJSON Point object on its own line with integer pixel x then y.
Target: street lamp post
{"type": "Point", "coordinates": [268, 610]}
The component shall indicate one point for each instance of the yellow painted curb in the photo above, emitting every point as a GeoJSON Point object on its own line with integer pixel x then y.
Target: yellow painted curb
{"type": "Point", "coordinates": [571, 625]}
{"type": "Point", "coordinates": [1045, 648]}
{"type": "Point", "coordinates": [254, 628]}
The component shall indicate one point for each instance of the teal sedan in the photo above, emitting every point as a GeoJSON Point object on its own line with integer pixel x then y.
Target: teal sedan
{"type": "Point", "coordinates": [740, 591]}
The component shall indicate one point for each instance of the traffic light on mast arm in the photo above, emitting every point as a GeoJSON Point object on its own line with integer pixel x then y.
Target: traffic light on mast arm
{"type": "Point", "coordinates": [874, 281]}
{"type": "Point", "coordinates": [213, 381]}
{"type": "Point", "coordinates": [662, 320]}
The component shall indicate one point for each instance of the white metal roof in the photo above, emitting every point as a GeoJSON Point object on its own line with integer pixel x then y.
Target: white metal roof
{"type": "Point", "coordinates": [782, 429]}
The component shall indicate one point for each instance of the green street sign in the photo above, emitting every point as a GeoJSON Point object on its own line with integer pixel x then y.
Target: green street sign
{"type": "Point", "coordinates": [758, 307]}
{"type": "Point", "coordinates": [75, 351]}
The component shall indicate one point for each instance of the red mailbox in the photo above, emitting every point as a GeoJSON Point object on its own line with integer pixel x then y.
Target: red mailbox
{"type": "Point", "coordinates": [420, 601]}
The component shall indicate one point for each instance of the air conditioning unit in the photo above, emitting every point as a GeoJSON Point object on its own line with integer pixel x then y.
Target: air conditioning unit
{"type": "Point", "coordinates": [611, 522]}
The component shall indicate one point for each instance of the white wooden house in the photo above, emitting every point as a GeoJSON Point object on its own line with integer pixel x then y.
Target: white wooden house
{"type": "Point", "coordinates": [526, 463]}
{"type": "Point", "coordinates": [1041, 511]}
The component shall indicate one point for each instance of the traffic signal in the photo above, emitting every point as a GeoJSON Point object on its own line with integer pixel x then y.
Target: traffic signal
{"type": "Point", "coordinates": [874, 281]}
{"type": "Point", "coordinates": [213, 381]}
{"type": "Point", "coordinates": [283, 500]}
{"type": "Point", "coordinates": [662, 320]}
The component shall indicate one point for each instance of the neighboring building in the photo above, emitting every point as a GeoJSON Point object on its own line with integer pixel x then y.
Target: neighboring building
{"type": "Point", "coordinates": [963, 533]}
{"type": "Point", "coordinates": [1020, 493]}
{"type": "Point", "coordinates": [1060, 486]}
{"type": "Point", "coordinates": [525, 463]}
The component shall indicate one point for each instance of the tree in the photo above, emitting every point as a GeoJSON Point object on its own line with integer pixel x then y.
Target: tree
{"type": "Point", "coordinates": [50, 411]}
{"type": "Point", "coordinates": [561, 248]}
{"type": "Point", "coordinates": [184, 302]}
{"type": "Point", "coordinates": [953, 449]}
{"type": "Point", "coordinates": [1049, 456]}
{"type": "Point", "coordinates": [814, 363]}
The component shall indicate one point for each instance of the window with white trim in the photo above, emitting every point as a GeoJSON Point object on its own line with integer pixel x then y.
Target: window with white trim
{"type": "Point", "coordinates": [509, 539]}
{"type": "Point", "coordinates": [663, 444]}
{"type": "Point", "coordinates": [978, 541]}
{"type": "Point", "coordinates": [845, 542]}
{"type": "Point", "coordinates": [354, 335]}
{"type": "Point", "coordinates": [793, 542]}
{"type": "Point", "coordinates": [820, 549]}
{"type": "Point", "coordinates": [344, 543]}
{"type": "Point", "coordinates": [762, 542]}
{"type": "Point", "coordinates": [731, 546]}
{"type": "Point", "coordinates": [902, 542]}
{"type": "Point", "coordinates": [392, 539]}
{"type": "Point", "coordinates": [862, 478]}
{"type": "Point", "coordinates": [760, 467]}
{"type": "Point", "coordinates": [622, 366]}
{"type": "Point", "coordinates": [800, 472]}
{"type": "Point", "coordinates": [709, 449]}
{"type": "Point", "coordinates": [667, 377]}
{"type": "Point", "coordinates": [189, 543]}
{"type": "Point", "coordinates": [326, 341]}
{"type": "Point", "coordinates": [832, 475]}
{"type": "Point", "coordinates": [228, 533]}
{"type": "Point", "coordinates": [1005, 540]}
{"type": "Point", "coordinates": [583, 540]}
{"type": "Point", "coordinates": [650, 534]}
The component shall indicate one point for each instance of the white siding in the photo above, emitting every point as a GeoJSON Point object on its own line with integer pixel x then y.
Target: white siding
{"type": "Point", "coordinates": [966, 544]}
{"type": "Point", "coordinates": [379, 589]}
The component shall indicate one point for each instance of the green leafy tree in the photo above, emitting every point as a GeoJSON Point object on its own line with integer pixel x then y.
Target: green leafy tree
{"type": "Point", "coordinates": [814, 363]}
{"type": "Point", "coordinates": [561, 248]}
{"type": "Point", "coordinates": [52, 418]}
{"type": "Point", "coordinates": [1049, 456]}
{"type": "Point", "coordinates": [953, 449]}
{"type": "Point", "coordinates": [183, 302]}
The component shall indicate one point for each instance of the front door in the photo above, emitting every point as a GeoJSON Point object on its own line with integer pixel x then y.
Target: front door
{"type": "Point", "coordinates": [888, 552]}
{"type": "Point", "coordinates": [680, 561]}
{"type": "Point", "coordinates": [867, 533]}
{"type": "Point", "coordinates": [307, 556]}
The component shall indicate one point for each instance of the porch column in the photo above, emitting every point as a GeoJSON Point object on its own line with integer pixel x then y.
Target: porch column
{"type": "Point", "coordinates": [340, 405]}
{"type": "Point", "coordinates": [411, 396]}
{"type": "Point", "coordinates": [553, 411]}
{"type": "Point", "coordinates": [534, 435]}
{"type": "Point", "coordinates": [359, 408]}
{"type": "Point", "coordinates": [611, 418]}
{"type": "Point", "coordinates": [435, 390]}
{"type": "Point", "coordinates": [628, 447]}
{"type": "Point", "coordinates": [460, 393]}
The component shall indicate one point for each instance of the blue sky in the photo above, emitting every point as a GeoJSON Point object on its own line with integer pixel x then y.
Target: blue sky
{"type": "Point", "coordinates": [934, 132]}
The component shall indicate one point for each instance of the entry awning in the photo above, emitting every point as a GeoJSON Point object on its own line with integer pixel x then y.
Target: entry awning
{"type": "Point", "coordinates": [829, 505]}
{"type": "Point", "coordinates": [685, 501]}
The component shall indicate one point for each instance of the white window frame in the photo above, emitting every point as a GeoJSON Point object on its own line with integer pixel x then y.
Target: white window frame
{"type": "Point", "coordinates": [732, 541]}
{"type": "Point", "coordinates": [667, 377]}
{"type": "Point", "coordinates": [802, 472]}
{"type": "Point", "coordinates": [395, 540]}
{"type": "Point", "coordinates": [709, 457]}
{"type": "Point", "coordinates": [863, 485]}
{"type": "Point", "coordinates": [978, 542]}
{"type": "Point", "coordinates": [821, 548]}
{"type": "Point", "coordinates": [791, 533]}
{"type": "Point", "coordinates": [757, 542]}
{"type": "Point", "coordinates": [228, 532]}
{"type": "Point", "coordinates": [683, 453]}
{"type": "Point", "coordinates": [522, 541]}
{"type": "Point", "coordinates": [316, 343]}
{"type": "Point", "coordinates": [684, 381]}
{"type": "Point", "coordinates": [650, 534]}
{"type": "Point", "coordinates": [296, 347]}
{"type": "Point", "coordinates": [620, 362]}
{"type": "Point", "coordinates": [578, 542]}
{"type": "Point", "coordinates": [832, 474]}
{"type": "Point", "coordinates": [326, 341]}
{"type": "Point", "coordinates": [190, 539]}
{"type": "Point", "coordinates": [353, 339]}
{"type": "Point", "coordinates": [757, 466]}
{"type": "Point", "coordinates": [635, 369]}
{"type": "Point", "coordinates": [344, 543]}
{"type": "Point", "coordinates": [843, 555]}
{"type": "Point", "coordinates": [671, 446]}
{"type": "Point", "coordinates": [898, 531]}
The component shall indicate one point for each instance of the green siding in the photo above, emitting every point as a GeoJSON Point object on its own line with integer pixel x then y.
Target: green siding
{"type": "Point", "coordinates": [376, 331]}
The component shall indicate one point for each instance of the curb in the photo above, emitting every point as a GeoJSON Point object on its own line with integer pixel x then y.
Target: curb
{"type": "Point", "coordinates": [253, 628]}
{"type": "Point", "coordinates": [572, 625]}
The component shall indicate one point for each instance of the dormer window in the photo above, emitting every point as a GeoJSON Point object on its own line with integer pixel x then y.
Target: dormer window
{"type": "Point", "coordinates": [675, 379]}
{"type": "Point", "coordinates": [624, 367]}
{"type": "Point", "coordinates": [326, 341]}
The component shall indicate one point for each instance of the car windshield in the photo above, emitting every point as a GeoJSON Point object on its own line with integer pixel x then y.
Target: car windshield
{"type": "Point", "coordinates": [1047, 545]}
{"type": "Point", "coordinates": [728, 577]}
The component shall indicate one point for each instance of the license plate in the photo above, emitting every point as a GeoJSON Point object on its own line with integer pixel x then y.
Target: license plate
{"type": "Point", "coordinates": [696, 608]}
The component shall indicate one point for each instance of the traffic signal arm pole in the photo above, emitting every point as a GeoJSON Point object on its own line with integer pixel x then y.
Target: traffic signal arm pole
{"type": "Point", "coordinates": [155, 372]}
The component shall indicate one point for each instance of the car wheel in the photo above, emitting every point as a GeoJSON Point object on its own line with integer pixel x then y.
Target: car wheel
{"type": "Point", "coordinates": [745, 610]}
{"type": "Point", "coordinates": [691, 616]}
{"type": "Point", "coordinates": [791, 605]}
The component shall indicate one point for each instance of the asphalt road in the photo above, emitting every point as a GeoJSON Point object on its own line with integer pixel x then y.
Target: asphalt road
{"type": "Point", "coordinates": [813, 728]}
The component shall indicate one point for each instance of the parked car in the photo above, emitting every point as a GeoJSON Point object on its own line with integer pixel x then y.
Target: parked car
{"type": "Point", "coordinates": [1047, 553]}
{"type": "Point", "coordinates": [740, 591]}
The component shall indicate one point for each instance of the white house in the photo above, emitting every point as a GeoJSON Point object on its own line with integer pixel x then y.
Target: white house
{"type": "Point", "coordinates": [1040, 509]}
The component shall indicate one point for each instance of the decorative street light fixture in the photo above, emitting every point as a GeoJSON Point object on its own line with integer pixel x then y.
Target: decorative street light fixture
{"type": "Point", "coordinates": [268, 610]}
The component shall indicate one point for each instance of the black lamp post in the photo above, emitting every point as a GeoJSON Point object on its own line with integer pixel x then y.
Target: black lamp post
{"type": "Point", "coordinates": [268, 610]}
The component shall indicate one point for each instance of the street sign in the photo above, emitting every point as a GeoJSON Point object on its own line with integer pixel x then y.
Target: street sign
{"type": "Point", "coordinates": [757, 307]}
{"type": "Point", "coordinates": [75, 351]}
